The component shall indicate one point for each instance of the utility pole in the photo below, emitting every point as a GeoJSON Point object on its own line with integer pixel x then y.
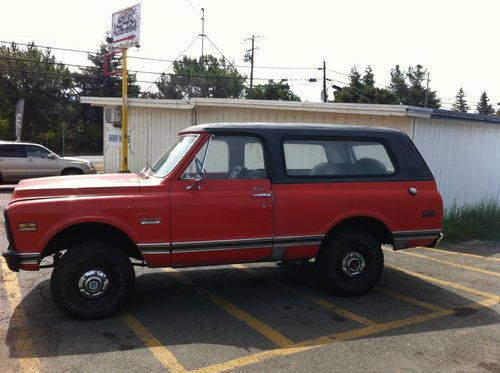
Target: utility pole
{"type": "Point", "coordinates": [202, 31]}
{"type": "Point", "coordinates": [249, 57]}
{"type": "Point", "coordinates": [325, 95]}
{"type": "Point", "coordinates": [426, 91]}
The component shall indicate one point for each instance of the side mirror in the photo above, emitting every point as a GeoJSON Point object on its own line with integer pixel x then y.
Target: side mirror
{"type": "Point", "coordinates": [50, 156]}
{"type": "Point", "coordinates": [200, 178]}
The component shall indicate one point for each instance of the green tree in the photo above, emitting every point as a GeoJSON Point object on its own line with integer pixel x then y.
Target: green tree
{"type": "Point", "coordinates": [85, 134]}
{"type": "Point", "coordinates": [44, 83]}
{"type": "Point", "coordinates": [398, 86]}
{"type": "Point", "coordinates": [410, 88]}
{"type": "Point", "coordinates": [274, 91]}
{"type": "Point", "coordinates": [483, 106]}
{"type": "Point", "coordinates": [460, 102]}
{"type": "Point", "coordinates": [203, 77]}
{"type": "Point", "coordinates": [361, 89]}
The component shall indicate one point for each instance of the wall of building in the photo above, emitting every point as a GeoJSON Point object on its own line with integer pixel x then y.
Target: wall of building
{"type": "Point", "coordinates": [463, 156]}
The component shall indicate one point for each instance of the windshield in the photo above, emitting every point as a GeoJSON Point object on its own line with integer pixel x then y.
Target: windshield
{"type": "Point", "coordinates": [168, 160]}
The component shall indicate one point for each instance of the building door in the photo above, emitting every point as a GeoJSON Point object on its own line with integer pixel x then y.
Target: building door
{"type": "Point", "coordinates": [222, 206]}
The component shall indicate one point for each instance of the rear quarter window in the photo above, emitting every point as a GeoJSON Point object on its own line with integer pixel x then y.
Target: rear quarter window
{"type": "Point", "coordinates": [321, 158]}
{"type": "Point", "coordinates": [12, 151]}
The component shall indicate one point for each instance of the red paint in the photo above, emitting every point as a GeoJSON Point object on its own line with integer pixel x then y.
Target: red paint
{"type": "Point", "coordinates": [217, 210]}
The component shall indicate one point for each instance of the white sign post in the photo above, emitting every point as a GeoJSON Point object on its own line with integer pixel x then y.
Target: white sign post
{"type": "Point", "coordinates": [125, 28]}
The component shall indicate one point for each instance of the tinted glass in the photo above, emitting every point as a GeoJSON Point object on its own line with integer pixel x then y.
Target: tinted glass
{"type": "Point", "coordinates": [313, 158]}
{"type": "Point", "coordinates": [36, 151]}
{"type": "Point", "coordinates": [12, 151]}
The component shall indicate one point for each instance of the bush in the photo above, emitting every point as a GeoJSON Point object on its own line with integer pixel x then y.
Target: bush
{"type": "Point", "coordinates": [472, 222]}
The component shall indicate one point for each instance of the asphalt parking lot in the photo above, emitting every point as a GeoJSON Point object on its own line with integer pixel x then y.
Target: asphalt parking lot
{"type": "Point", "coordinates": [433, 310]}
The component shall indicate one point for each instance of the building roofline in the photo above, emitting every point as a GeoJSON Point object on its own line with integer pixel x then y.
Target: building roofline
{"type": "Point", "coordinates": [326, 107]}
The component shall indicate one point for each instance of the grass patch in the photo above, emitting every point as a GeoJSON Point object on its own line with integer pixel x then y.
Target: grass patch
{"type": "Point", "coordinates": [472, 222]}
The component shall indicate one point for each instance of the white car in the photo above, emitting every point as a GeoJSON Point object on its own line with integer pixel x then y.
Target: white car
{"type": "Point", "coordinates": [22, 160]}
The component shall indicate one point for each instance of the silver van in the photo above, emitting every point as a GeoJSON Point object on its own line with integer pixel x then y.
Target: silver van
{"type": "Point", "coordinates": [21, 160]}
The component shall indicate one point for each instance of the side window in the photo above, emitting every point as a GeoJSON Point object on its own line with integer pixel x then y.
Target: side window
{"type": "Point", "coordinates": [373, 152]}
{"type": "Point", "coordinates": [12, 151]}
{"type": "Point", "coordinates": [229, 157]}
{"type": "Point", "coordinates": [302, 156]}
{"type": "Point", "coordinates": [36, 151]}
{"type": "Point", "coordinates": [316, 158]}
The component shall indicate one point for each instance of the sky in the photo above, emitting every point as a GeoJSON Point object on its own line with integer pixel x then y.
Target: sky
{"type": "Point", "coordinates": [456, 40]}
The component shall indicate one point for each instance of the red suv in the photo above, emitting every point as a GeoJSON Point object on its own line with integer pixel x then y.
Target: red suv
{"type": "Point", "coordinates": [229, 193]}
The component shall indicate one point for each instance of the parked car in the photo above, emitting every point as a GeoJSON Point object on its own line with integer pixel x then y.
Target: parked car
{"type": "Point", "coordinates": [23, 160]}
{"type": "Point", "coordinates": [229, 193]}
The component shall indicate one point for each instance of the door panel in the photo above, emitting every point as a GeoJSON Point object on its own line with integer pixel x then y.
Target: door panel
{"type": "Point", "coordinates": [37, 163]}
{"type": "Point", "coordinates": [221, 221]}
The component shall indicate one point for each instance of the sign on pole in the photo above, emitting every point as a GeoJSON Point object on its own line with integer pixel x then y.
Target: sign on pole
{"type": "Point", "coordinates": [19, 118]}
{"type": "Point", "coordinates": [125, 28]}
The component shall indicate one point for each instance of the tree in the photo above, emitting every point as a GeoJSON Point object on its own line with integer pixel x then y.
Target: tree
{"type": "Point", "coordinates": [86, 134]}
{"type": "Point", "coordinates": [483, 106]}
{"type": "Point", "coordinates": [362, 90]}
{"type": "Point", "coordinates": [410, 88]}
{"type": "Point", "coordinates": [274, 91]}
{"type": "Point", "coordinates": [460, 102]}
{"type": "Point", "coordinates": [203, 77]}
{"type": "Point", "coordinates": [44, 83]}
{"type": "Point", "coordinates": [399, 86]}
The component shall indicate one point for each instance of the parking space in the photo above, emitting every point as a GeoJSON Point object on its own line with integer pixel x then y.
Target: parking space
{"type": "Point", "coordinates": [433, 309]}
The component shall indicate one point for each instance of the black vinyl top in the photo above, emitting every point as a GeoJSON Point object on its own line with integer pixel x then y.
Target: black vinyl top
{"type": "Point", "coordinates": [409, 163]}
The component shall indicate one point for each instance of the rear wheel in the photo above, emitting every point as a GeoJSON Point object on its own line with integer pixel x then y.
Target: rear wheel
{"type": "Point", "coordinates": [352, 262]}
{"type": "Point", "coordinates": [92, 280]}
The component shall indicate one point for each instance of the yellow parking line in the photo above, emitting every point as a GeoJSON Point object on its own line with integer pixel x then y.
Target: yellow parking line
{"type": "Point", "coordinates": [462, 254]}
{"type": "Point", "coordinates": [469, 268]}
{"type": "Point", "coordinates": [408, 299]}
{"type": "Point", "coordinates": [234, 310]}
{"type": "Point", "coordinates": [164, 356]}
{"type": "Point", "coordinates": [444, 282]}
{"type": "Point", "coordinates": [343, 336]}
{"type": "Point", "coordinates": [321, 302]}
{"type": "Point", "coordinates": [22, 336]}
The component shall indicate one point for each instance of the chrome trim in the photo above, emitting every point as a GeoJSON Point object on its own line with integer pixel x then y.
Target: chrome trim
{"type": "Point", "coordinates": [401, 238]}
{"type": "Point", "coordinates": [261, 195]}
{"type": "Point", "coordinates": [221, 242]}
{"type": "Point", "coordinates": [304, 243]}
{"type": "Point", "coordinates": [159, 245]}
{"type": "Point", "coordinates": [152, 252]}
{"type": "Point", "coordinates": [29, 262]}
{"type": "Point", "coordinates": [208, 249]}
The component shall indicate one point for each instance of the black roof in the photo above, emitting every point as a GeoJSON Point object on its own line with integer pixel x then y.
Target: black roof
{"type": "Point", "coordinates": [288, 127]}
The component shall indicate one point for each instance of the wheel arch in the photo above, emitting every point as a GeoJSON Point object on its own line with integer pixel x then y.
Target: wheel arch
{"type": "Point", "coordinates": [88, 231]}
{"type": "Point", "coordinates": [71, 168]}
{"type": "Point", "coordinates": [370, 225]}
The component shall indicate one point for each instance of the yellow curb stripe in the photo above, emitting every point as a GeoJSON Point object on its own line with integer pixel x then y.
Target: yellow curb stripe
{"type": "Point", "coordinates": [411, 300]}
{"type": "Point", "coordinates": [22, 337]}
{"type": "Point", "coordinates": [462, 254]}
{"type": "Point", "coordinates": [262, 328]}
{"type": "Point", "coordinates": [320, 302]}
{"type": "Point", "coordinates": [162, 354]}
{"type": "Point", "coordinates": [343, 336]}
{"type": "Point", "coordinates": [452, 264]}
{"type": "Point", "coordinates": [444, 282]}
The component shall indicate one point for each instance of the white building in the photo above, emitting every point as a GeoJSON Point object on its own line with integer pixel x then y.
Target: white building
{"type": "Point", "coordinates": [462, 150]}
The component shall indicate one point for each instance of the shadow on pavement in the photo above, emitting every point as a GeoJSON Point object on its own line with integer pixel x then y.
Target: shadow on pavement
{"type": "Point", "coordinates": [178, 316]}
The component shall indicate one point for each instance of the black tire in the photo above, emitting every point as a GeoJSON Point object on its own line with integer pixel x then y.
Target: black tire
{"type": "Point", "coordinates": [92, 263]}
{"type": "Point", "coordinates": [71, 171]}
{"type": "Point", "coordinates": [351, 262]}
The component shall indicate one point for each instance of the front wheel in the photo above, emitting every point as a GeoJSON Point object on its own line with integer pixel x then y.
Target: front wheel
{"type": "Point", "coordinates": [352, 262]}
{"type": "Point", "coordinates": [92, 280]}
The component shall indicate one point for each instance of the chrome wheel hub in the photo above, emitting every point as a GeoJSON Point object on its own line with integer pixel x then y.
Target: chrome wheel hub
{"type": "Point", "coordinates": [93, 284]}
{"type": "Point", "coordinates": [353, 264]}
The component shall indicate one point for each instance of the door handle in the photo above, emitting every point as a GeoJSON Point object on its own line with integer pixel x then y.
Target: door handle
{"type": "Point", "coordinates": [261, 195]}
